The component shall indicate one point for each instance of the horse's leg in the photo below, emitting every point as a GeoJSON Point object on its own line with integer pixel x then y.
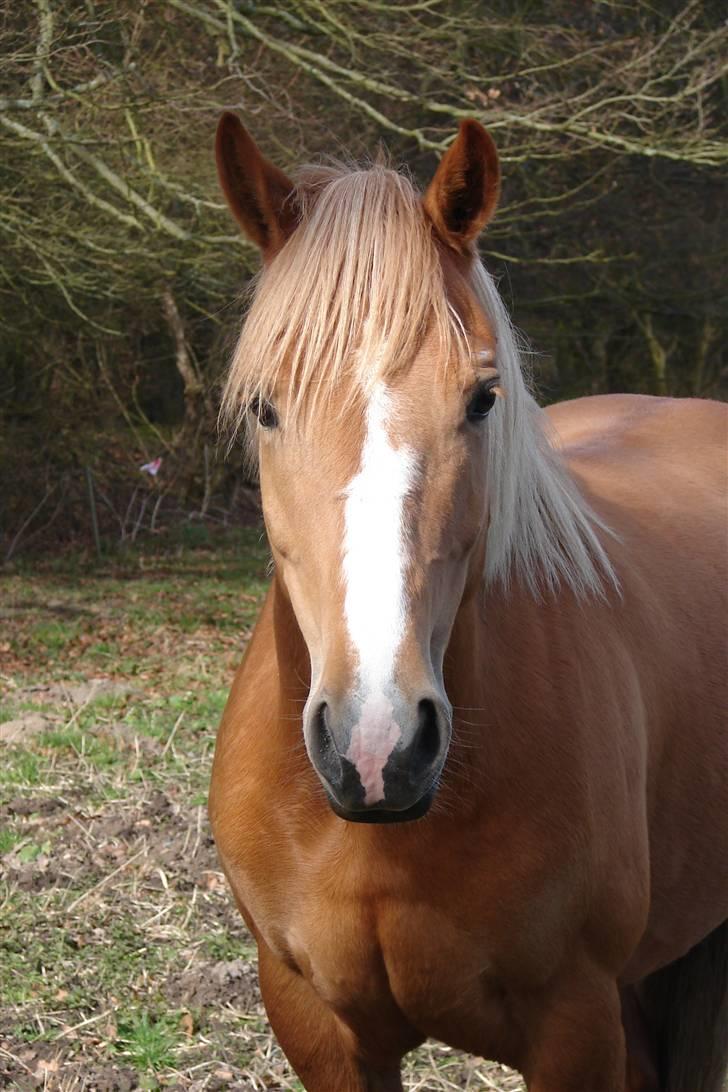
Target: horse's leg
{"type": "Point", "coordinates": [575, 1035]}
{"type": "Point", "coordinates": [321, 1049]}
{"type": "Point", "coordinates": [641, 1054]}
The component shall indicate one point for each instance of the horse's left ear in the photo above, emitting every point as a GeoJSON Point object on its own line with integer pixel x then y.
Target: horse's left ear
{"type": "Point", "coordinates": [259, 195]}
{"type": "Point", "coordinates": [462, 196]}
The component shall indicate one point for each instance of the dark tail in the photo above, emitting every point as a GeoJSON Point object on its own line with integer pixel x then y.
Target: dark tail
{"type": "Point", "coordinates": [687, 1005]}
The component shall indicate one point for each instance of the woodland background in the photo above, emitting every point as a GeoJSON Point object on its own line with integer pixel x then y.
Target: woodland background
{"type": "Point", "coordinates": [122, 272]}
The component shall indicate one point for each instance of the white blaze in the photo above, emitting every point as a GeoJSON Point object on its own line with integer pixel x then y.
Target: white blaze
{"type": "Point", "coordinates": [372, 740]}
{"type": "Point", "coordinates": [374, 568]}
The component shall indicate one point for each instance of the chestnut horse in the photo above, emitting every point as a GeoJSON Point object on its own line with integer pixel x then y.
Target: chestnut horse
{"type": "Point", "coordinates": [472, 778]}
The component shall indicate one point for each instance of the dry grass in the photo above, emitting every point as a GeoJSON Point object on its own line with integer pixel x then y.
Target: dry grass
{"type": "Point", "coordinates": [123, 963]}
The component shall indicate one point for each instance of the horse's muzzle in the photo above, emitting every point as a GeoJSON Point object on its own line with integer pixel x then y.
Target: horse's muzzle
{"type": "Point", "coordinates": [377, 814]}
{"type": "Point", "coordinates": [379, 762]}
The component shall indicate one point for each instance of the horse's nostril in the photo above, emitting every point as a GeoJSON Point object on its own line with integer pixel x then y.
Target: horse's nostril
{"type": "Point", "coordinates": [322, 729]}
{"type": "Point", "coordinates": [428, 732]}
{"type": "Point", "coordinates": [327, 757]}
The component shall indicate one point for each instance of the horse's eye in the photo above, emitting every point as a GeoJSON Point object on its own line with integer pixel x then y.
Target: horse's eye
{"type": "Point", "coordinates": [482, 402]}
{"type": "Point", "coordinates": [265, 412]}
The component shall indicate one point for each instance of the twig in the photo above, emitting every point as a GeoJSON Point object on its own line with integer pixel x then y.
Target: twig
{"type": "Point", "coordinates": [92, 506]}
{"type": "Point", "coordinates": [31, 517]}
{"type": "Point", "coordinates": [155, 510]}
{"type": "Point", "coordinates": [172, 734]}
{"type": "Point", "coordinates": [97, 887]}
{"type": "Point", "coordinates": [206, 495]}
{"type": "Point", "coordinates": [140, 517]}
{"type": "Point", "coordinates": [83, 1024]}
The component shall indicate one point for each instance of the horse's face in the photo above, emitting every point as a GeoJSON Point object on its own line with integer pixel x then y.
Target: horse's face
{"type": "Point", "coordinates": [375, 510]}
{"type": "Point", "coordinates": [373, 513]}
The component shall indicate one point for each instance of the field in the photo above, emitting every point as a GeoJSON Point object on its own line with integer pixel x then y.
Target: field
{"type": "Point", "coordinates": [123, 963]}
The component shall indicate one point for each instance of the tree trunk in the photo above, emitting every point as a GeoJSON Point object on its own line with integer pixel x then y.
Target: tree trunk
{"type": "Point", "coordinates": [658, 353]}
{"type": "Point", "coordinates": [193, 391]}
{"type": "Point", "coordinates": [705, 340]}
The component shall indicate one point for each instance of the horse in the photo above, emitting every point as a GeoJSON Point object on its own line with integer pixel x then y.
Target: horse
{"type": "Point", "coordinates": [471, 779]}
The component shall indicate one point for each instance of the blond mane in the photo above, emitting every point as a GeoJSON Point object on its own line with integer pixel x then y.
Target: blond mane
{"type": "Point", "coordinates": [352, 294]}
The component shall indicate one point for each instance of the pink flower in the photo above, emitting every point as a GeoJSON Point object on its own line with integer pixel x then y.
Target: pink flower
{"type": "Point", "coordinates": [153, 467]}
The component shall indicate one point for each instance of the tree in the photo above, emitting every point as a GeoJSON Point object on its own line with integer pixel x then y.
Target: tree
{"type": "Point", "coordinates": [120, 261]}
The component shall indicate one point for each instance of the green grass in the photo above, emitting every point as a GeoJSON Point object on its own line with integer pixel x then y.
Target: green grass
{"type": "Point", "coordinates": [97, 917]}
{"type": "Point", "coordinates": [8, 838]}
{"type": "Point", "coordinates": [226, 946]}
{"type": "Point", "coordinates": [148, 1041]}
{"type": "Point", "coordinates": [25, 769]}
{"type": "Point", "coordinates": [52, 637]}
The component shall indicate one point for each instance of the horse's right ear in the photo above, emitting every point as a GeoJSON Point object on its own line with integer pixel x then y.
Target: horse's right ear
{"type": "Point", "coordinates": [260, 197]}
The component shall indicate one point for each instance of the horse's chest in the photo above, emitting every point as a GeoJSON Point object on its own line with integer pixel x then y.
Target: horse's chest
{"type": "Point", "coordinates": [364, 957]}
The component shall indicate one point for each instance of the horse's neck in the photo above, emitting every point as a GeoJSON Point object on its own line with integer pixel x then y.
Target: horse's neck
{"type": "Point", "coordinates": [294, 665]}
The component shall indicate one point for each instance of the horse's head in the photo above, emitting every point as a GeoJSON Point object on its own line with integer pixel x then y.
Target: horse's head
{"type": "Point", "coordinates": [372, 371]}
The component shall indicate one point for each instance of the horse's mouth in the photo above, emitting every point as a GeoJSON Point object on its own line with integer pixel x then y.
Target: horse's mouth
{"type": "Point", "coordinates": [375, 814]}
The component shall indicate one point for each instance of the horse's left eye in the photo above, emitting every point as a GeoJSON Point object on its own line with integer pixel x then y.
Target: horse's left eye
{"type": "Point", "coordinates": [481, 402]}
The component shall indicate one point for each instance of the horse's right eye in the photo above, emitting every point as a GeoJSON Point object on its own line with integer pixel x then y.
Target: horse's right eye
{"type": "Point", "coordinates": [265, 412]}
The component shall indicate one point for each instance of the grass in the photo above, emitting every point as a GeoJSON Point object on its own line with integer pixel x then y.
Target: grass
{"type": "Point", "coordinates": [150, 1042]}
{"type": "Point", "coordinates": [123, 961]}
